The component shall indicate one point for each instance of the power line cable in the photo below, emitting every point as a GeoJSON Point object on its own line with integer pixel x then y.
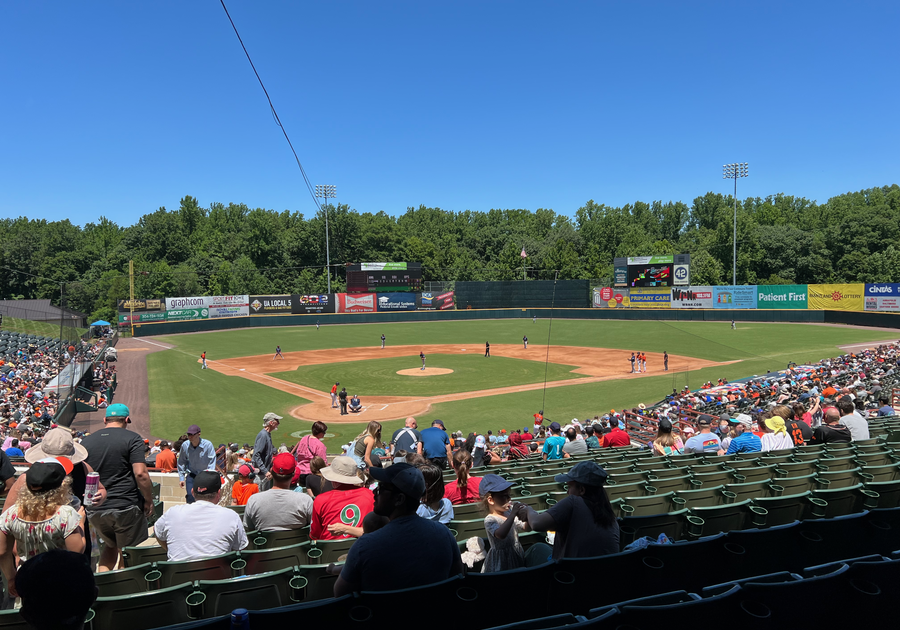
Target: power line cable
{"type": "Point", "coordinates": [309, 186]}
{"type": "Point", "coordinates": [549, 331]}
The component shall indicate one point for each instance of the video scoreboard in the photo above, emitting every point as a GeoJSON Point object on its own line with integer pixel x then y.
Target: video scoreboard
{"type": "Point", "coordinates": [384, 277]}
{"type": "Point", "coordinates": [652, 271]}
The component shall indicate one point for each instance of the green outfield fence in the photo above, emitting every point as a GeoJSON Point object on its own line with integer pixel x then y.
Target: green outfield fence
{"type": "Point", "coordinates": [886, 320]}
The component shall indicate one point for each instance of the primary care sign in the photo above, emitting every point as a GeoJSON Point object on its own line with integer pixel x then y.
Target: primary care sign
{"type": "Point", "coordinates": [781, 296]}
{"type": "Point", "coordinates": [643, 297]}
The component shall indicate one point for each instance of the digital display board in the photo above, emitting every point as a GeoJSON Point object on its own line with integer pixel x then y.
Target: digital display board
{"type": "Point", "coordinates": [650, 275]}
{"type": "Point", "coordinates": [384, 278]}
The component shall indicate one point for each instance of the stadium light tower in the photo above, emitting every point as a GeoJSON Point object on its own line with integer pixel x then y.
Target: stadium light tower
{"type": "Point", "coordinates": [325, 191]}
{"type": "Point", "coordinates": [733, 171]}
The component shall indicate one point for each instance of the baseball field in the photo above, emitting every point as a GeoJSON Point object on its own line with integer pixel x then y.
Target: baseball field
{"type": "Point", "coordinates": [571, 368]}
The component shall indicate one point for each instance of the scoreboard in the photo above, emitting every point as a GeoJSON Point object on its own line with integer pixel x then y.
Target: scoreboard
{"type": "Point", "coordinates": [384, 277]}
{"type": "Point", "coordinates": [652, 271]}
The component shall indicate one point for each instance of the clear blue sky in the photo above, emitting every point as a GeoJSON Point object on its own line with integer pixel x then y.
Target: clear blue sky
{"type": "Point", "coordinates": [118, 108]}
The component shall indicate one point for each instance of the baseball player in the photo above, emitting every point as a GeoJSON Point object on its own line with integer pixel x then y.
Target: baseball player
{"type": "Point", "coordinates": [278, 353]}
{"type": "Point", "coordinates": [487, 348]}
{"type": "Point", "coordinates": [382, 341]}
{"type": "Point", "coordinates": [203, 359]}
{"type": "Point", "coordinates": [334, 395]}
{"type": "Point", "coordinates": [317, 324]}
{"type": "Point", "coordinates": [632, 360]}
{"type": "Point", "coordinates": [525, 341]}
{"type": "Point", "coordinates": [422, 356]}
{"type": "Point", "coordinates": [666, 360]}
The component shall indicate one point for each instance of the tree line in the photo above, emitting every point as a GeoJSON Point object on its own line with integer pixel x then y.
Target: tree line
{"type": "Point", "coordinates": [233, 249]}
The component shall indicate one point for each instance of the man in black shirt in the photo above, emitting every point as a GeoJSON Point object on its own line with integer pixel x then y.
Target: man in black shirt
{"type": "Point", "coordinates": [117, 454]}
{"type": "Point", "coordinates": [831, 430]}
{"type": "Point", "coordinates": [7, 474]}
{"type": "Point", "coordinates": [343, 399]}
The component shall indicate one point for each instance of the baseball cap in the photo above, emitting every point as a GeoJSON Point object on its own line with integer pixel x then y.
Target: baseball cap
{"type": "Point", "coordinates": [47, 474]}
{"type": "Point", "coordinates": [554, 426]}
{"type": "Point", "coordinates": [284, 464]}
{"type": "Point", "coordinates": [493, 483]}
{"type": "Point", "coordinates": [207, 482]}
{"type": "Point", "coordinates": [117, 410]}
{"type": "Point", "coordinates": [665, 425]}
{"type": "Point", "coordinates": [439, 423]}
{"type": "Point", "coordinates": [405, 477]}
{"type": "Point", "coordinates": [271, 416]}
{"type": "Point", "coordinates": [587, 473]}
{"type": "Point", "coordinates": [246, 470]}
{"type": "Point", "coordinates": [705, 418]}
{"type": "Point", "coordinates": [193, 430]}
{"type": "Point", "coordinates": [479, 441]}
{"type": "Point", "coordinates": [744, 419]}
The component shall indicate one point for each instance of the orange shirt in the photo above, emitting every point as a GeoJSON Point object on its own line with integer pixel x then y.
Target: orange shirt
{"type": "Point", "coordinates": [165, 460]}
{"type": "Point", "coordinates": [241, 493]}
{"type": "Point", "coordinates": [334, 389]}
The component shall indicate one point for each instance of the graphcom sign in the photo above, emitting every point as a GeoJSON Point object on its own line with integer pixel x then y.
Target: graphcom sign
{"type": "Point", "coordinates": [270, 304]}
{"type": "Point", "coordinates": [140, 305]}
{"type": "Point", "coordinates": [140, 318]}
{"type": "Point", "coordinates": [355, 303]}
{"type": "Point", "coordinates": [734, 297]}
{"type": "Point", "coordinates": [836, 297]}
{"type": "Point", "coordinates": [396, 301]}
{"type": "Point", "coordinates": [644, 297]}
{"type": "Point", "coordinates": [692, 297]}
{"type": "Point", "coordinates": [782, 296]}
{"type": "Point", "coordinates": [882, 297]}
{"type": "Point", "coordinates": [606, 297]}
{"type": "Point", "coordinates": [310, 304]}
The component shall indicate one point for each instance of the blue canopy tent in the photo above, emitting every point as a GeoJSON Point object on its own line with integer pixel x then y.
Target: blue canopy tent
{"type": "Point", "coordinates": [100, 322]}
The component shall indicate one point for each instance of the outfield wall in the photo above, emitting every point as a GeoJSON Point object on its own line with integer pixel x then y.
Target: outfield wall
{"type": "Point", "coordinates": [886, 320]}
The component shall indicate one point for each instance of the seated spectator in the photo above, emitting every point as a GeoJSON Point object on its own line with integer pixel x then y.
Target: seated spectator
{"type": "Point", "coordinates": [465, 488]}
{"type": "Point", "coordinates": [517, 450]}
{"type": "Point", "coordinates": [666, 442]}
{"type": "Point", "coordinates": [355, 404]}
{"type": "Point", "coordinates": [316, 484]}
{"type": "Point", "coordinates": [279, 508]}
{"type": "Point", "coordinates": [704, 442]}
{"type": "Point", "coordinates": [553, 445]}
{"type": "Point", "coordinates": [435, 506]}
{"type": "Point", "coordinates": [584, 521]}
{"type": "Point", "coordinates": [858, 425]}
{"type": "Point", "coordinates": [573, 445]}
{"type": "Point", "coordinates": [347, 504]}
{"type": "Point", "coordinates": [744, 440]}
{"type": "Point", "coordinates": [796, 423]}
{"type": "Point", "coordinates": [435, 556]}
{"type": "Point", "coordinates": [478, 452]}
{"type": "Point", "coordinates": [201, 529]}
{"type": "Point", "coordinates": [526, 434]}
{"type": "Point", "coordinates": [886, 409]}
{"type": "Point", "coordinates": [46, 608]}
{"type": "Point", "coordinates": [831, 430]}
{"type": "Point", "coordinates": [165, 459]}
{"type": "Point", "coordinates": [775, 436]}
{"type": "Point", "coordinates": [591, 441]}
{"type": "Point", "coordinates": [14, 450]}
{"type": "Point", "coordinates": [244, 487]}
{"type": "Point", "coordinates": [615, 437]}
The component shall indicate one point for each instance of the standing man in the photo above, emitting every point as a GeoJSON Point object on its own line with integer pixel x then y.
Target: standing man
{"type": "Point", "coordinates": [382, 341]}
{"type": "Point", "coordinates": [553, 445]}
{"type": "Point", "coordinates": [632, 359]}
{"type": "Point", "coordinates": [334, 395]}
{"type": "Point", "coordinates": [196, 455]}
{"type": "Point", "coordinates": [436, 444]}
{"type": "Point", "coordinates": [117, 454]}
{"type": "Point", "coordinates": [422, 356]}
{"type": "Point", "coordinates": [534, 319]}
{"type": "Point", "coordinates": [538, 421]}
{"type": "Point", "coordinates": [343, 398]}
{"type": "Point", "coordinates": [264, 451]}
{"type": "Point", "coordinates": [666, 360]}
{"type": "Point", "coordinates": [487, 348]}
{"type": "Point", "coordinates": [407, 438]}
{"type": "Point", "coordinates": [278, 353]}
{"type": "Point", "coordinates": [203, 360]}
{"type": "Point", "coordinates": [525, 341]}
{"type": "Point", "coordinates": [317, 324]}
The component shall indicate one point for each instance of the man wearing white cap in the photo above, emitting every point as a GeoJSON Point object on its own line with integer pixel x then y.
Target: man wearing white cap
{"type": "Point", "coordinates": [264, 451]}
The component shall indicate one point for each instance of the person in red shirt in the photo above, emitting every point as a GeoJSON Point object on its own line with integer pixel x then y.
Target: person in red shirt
{"type": "Point", "coordinates": [615, 437]}
{"type": "Point", "coordinates": [465, 488]}
{"type": "Point", "coordinates": [243, 488]}
{"type": "Point", "coordinates": [348, 504]}
{"type": "Point", "coordinates": [526, 435]}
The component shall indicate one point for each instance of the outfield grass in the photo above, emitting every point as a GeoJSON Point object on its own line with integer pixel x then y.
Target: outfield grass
{"type": "Point", "coordinates": [231, 408]}
{"type": "Point", "coordinates": [378, 377]}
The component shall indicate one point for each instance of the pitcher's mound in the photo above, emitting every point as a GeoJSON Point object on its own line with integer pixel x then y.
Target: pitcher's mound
{"type": "Point", "coordinates": [426, 372]}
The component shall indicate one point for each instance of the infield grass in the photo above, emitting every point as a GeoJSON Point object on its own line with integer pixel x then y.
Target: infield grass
{"type": "Point", "coordinates": [231, 408]}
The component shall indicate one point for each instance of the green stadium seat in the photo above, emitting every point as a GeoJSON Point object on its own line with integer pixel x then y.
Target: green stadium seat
{"type": "Point", "coordinates": [621, 490]}
{"type": "Point", "coordinates": [278, 558]}
{"type": "Point", "coordinates": [134, 556]}
{"type": "Point", "coordinates": [646, 505]}
{"type": "Point", "coordinates": [879, 458]}
{"type": "Point", "coordinates": [704, 497]}
{"type": "Point", "coordinates": [702, 469]}
{"type": "Point", "coordinates": [672, 524]}
{"type": "Point", "coordinates": [123, 581]}
{"type": "Point", "coordinates": [789, 508]}
{"type": "Point", "coordinates": [795, 469]}
{"type": "Point", "coordinates": [673, 484]}
{"type": "Point", "coordinates": [777, 457]}
{"type": "Point", "coordinates": [472, 510]}
{"type": "Point", "coordinates": [838, 463]}
{"type": "Point", "coordinates": [726, 518]}
{"type": "Point", "coordinates": [888, 493]}
{"type": "Point", "coordinates": [468, 528]}
{"type": "Point", "coordinates": [220, 567]}
{"type": "Point", "coordinates": [717, 478]}
{"type": "Point", "coordinates": [629, 477]}
{"type": "Point", "coordinates": [285, 538]}
{"type": "Point", "coordinates": [803, 455]}
{"type": "Point", "coordinates": [830, 480]}
{"type": "Point", "coordinates": [888, 472]}
{"type": "Point", "coordinates": [331, 550]}
{"type": "Point", "coordinates": [796, 485]}
{"type": "Point", "coordinates": [12, 620]}
{"type": "Point", "coordinates": [256, 592]}
{"type": "Point", "coordinates": [756, 473]}
{"type": "Point", "coordinates": [239, 509]}
{"type": "Point", "coordinates": [143, 611]}
{"type": "Point", "coordinates": [848, 500]}
{"type": "Point", "coordinates": [754, 490]}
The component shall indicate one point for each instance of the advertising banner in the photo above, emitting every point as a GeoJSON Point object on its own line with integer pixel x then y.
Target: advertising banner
{"type": "Point", "coordinates": [620, 276]}
{"type": "Point", "coordinates": [681, 275]}
{"type": "Point", "coordinates": [356, 303]}
{"type": "Point", "coordinates": [835, 297]}
{"type": "Point", "coordinates": [126, 306]}
{"type": "Point", "coordinates": [311, 304]}
{"type": "Point", "coordinates": [606, 297]}
{"type": "Point", "coordinates": [396, 301]}
{"type": "Point", "coordinates": [271, 304]}
{"type": "Point", "coordinates": [207, 301]}
{"type": "Point", "coordinates": [219, 312]}
{"type": "Point", "coordinates": [383, 266]}
{"type": "Point", "coordinates": [650, 260]}
{"type": "Point", "coordinates": [692, 297]}
{"type": "Point", "coordinates": [429, 300]}
{"type": "Point", "coordinates": [743, 296]}
{"type": "Point", "coordinates": [882, 297]}
{"type": "Point", "coordinates": [184, 314]}
{"type": "Point", "coordinates": [644, 297]}
{"type": "Point", "coordinates": [781, 296]}
{"type": "Point", "coordinates": [140, 318]}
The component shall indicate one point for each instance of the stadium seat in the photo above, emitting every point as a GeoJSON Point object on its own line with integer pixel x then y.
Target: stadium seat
{"type": "Point", "coordinates": [663, 599]}
{"type": "Point", "coordinates": [777, 457]}
{"type": "Point", "coordinates": [757, 473]}
{"type": "Point", "coordinates": [221, 567]}
{"type": "Point", "coordinates": [143, 611]}
{"type": "Point", "coordinates": [753, 490]}
{"type": "Point", "coordinates": [12, 620]}
{"type": "Point", "coordinates": [621, 490]}
{"type": "Point", "coordinates": [838, 463]}
{"type": "Point", "coordinates": [847, 500]}
{"type": "Point", "coordinates": [667, 473]}
{"type": "Point", "coordinates": [702, 469]}
{"type": "Point", "coordinates": [123, 581]}
{"type": "Point", "coordinates": [331, 550]}
{"type": "Point", "coordinates": [716, 607]}
{"type": "Point", "coordinates": [671, 524]}
{"type": "Point", "coordinates": [705, 496]}
{"type": "Point", "coordinates": [888, 493]}
{"type": "Point", "coordinates": [879, 458]}
{"type": "Point", "coordinates": [787, 509]}
{"type": "Point", "coordinates": [714, 478]}
{"type": "Point", "coordinates": [795, 469]}
{"type": "Point", "coordinates": [380, 608]}
{"type": "Point", "coordinates": [646, 505]}
{"type": "Point", "coordinates": [550, 622]}
{"type": "Point", "coordinates": [471, 510]}
{"type": "Point", "coordinates": [282, 538]}
{"type": "Point", "coordinates": [725, 518]}
{"type": "Point", "coordinates": [888, 472]}
{"type": "Point", "coordinates": [796, 485]}
{"type": "Point", "coordinates": [672, 484]}
{"type": "Point", "coordinates": [278, 558]}
{"type": "Point", "coordinates": [463, 530]}
{"type": "Point", "coordinates": [134, 556]}
{"type": "Point", "coordinates": [627, 478]}
{"type": "Point", "coordinates": [833, 479]}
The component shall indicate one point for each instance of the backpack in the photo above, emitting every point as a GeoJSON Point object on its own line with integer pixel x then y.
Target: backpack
{"type": "Point", "coordinates": [412, 434]}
